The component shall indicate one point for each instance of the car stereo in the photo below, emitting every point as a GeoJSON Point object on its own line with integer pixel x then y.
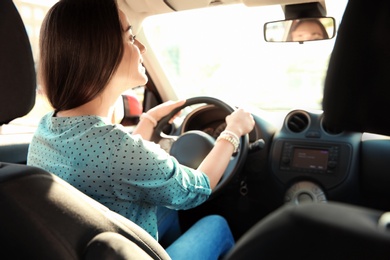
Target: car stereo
{"type": "Point", "coordinates": [309, 159]}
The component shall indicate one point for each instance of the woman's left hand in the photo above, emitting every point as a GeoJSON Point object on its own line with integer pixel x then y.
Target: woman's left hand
{"type": "Point", "coordinates": [145, 127]}
{"type": "Point", "coordinates": [164, 109]}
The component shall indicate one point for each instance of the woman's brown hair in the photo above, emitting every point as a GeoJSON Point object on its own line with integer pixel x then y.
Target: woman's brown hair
{"type": "Point", "coordinates": [81, 46]}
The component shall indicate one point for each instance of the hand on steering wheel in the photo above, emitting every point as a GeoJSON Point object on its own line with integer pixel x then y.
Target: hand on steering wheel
{"type": "Point", "coordinates": [192, 147]}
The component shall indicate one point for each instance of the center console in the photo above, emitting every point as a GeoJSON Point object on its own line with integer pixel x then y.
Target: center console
{"type": "Point", "coordinates": [322, 161]}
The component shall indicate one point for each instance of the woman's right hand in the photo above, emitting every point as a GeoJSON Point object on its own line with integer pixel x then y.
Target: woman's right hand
{"type": "Point", "coordinates": [240, 122]}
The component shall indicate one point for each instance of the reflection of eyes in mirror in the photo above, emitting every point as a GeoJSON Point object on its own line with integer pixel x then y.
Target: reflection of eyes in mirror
{"type": "Point", "coordinates": [307, 30]}
{"type": "Point", "coordinates": [300, 30]}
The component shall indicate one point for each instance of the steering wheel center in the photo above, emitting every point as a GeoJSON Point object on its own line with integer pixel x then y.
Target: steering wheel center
{"type": "Point", "coordinates": [192, 147]}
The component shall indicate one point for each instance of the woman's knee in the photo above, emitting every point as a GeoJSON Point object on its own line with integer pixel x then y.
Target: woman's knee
{"type": "Point", "coordinates": [215, 220]}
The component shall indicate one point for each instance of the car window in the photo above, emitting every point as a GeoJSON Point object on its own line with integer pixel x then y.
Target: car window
{"type": "Point", "coordinates": [221, 52]}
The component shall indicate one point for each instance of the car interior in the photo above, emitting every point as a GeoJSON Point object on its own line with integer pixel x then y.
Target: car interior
{"type": "Point", "coordinates": [277, 203]}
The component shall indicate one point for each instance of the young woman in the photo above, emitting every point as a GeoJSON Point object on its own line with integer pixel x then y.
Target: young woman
{"type": "Point", "coordinates": [308, 30]}
{"type": "Point", "coordinates": [89, 56]}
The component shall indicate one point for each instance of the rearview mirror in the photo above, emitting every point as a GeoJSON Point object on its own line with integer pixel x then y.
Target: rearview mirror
{"type": "Point", "coordinates": [300, 30]}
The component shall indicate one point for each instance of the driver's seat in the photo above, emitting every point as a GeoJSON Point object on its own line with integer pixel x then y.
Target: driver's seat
{"type": "Point", "coordinates": [42, 216]}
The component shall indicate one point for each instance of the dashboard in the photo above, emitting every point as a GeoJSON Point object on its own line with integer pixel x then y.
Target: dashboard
{"type": "Point", "coordinates": [215, 129]}
{"type": "Point", "coordinates": [302, 160]}
{"type": "Point", "coordinates": [313, 162]}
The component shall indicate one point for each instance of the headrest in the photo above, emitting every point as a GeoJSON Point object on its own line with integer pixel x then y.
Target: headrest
{"type": "Point", "coordinates": [357, 85]}
{"type": "Point", "coordinates": [17, 72]}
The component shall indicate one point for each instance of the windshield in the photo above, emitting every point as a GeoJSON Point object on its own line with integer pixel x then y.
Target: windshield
{"type": "Point", "coordinates": [221, 52]}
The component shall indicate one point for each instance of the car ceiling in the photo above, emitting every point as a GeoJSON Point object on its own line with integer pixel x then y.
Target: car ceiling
{"type": "Point", "coordinates": [150, 7]}
{"type": "Point", "coordinates": [138, 10]}
{"type": "Point", "coordinates": [161, 6]}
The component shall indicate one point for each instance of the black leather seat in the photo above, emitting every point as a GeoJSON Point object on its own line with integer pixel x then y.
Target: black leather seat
{"type": "Point", "coordinates": [317, 231]}
{"type": "Point", "coordinates": [356, 94]}
{"type": "Point", "coordinates": [356, 98]}
{"type": "Point", "coordinates": [41, 216]}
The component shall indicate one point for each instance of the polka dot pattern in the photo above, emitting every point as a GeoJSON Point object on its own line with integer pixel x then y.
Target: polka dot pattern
{"type": "Point", "coordinates": [127, 174]}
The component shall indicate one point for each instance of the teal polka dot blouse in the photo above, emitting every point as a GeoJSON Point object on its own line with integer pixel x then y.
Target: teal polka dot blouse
{"type": "Point", "coordinates": [127, 174]}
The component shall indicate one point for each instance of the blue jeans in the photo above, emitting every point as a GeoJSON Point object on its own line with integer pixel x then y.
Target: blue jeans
{"type": "Point", "coordinates": [208, 239]}
{"type": "Point", "coordinates": [168, 226]}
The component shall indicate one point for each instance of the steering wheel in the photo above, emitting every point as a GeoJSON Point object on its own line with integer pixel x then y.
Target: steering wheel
{"type": "Point", "coordinates": [190, 148]}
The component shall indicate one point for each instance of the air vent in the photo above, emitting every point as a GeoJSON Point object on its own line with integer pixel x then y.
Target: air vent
{"type": "Point", "coordinates": [297, 121]}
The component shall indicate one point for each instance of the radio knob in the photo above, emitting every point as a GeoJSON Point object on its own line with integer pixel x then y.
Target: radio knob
{"type": "Point", "coordinates": [304, 191]}
{"type": "Point", "coordinates": [304, 197]}
{"type": "Point", "coordinates": [332, 164]}
{"type": "Point", "coordinates": [285, 160]}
